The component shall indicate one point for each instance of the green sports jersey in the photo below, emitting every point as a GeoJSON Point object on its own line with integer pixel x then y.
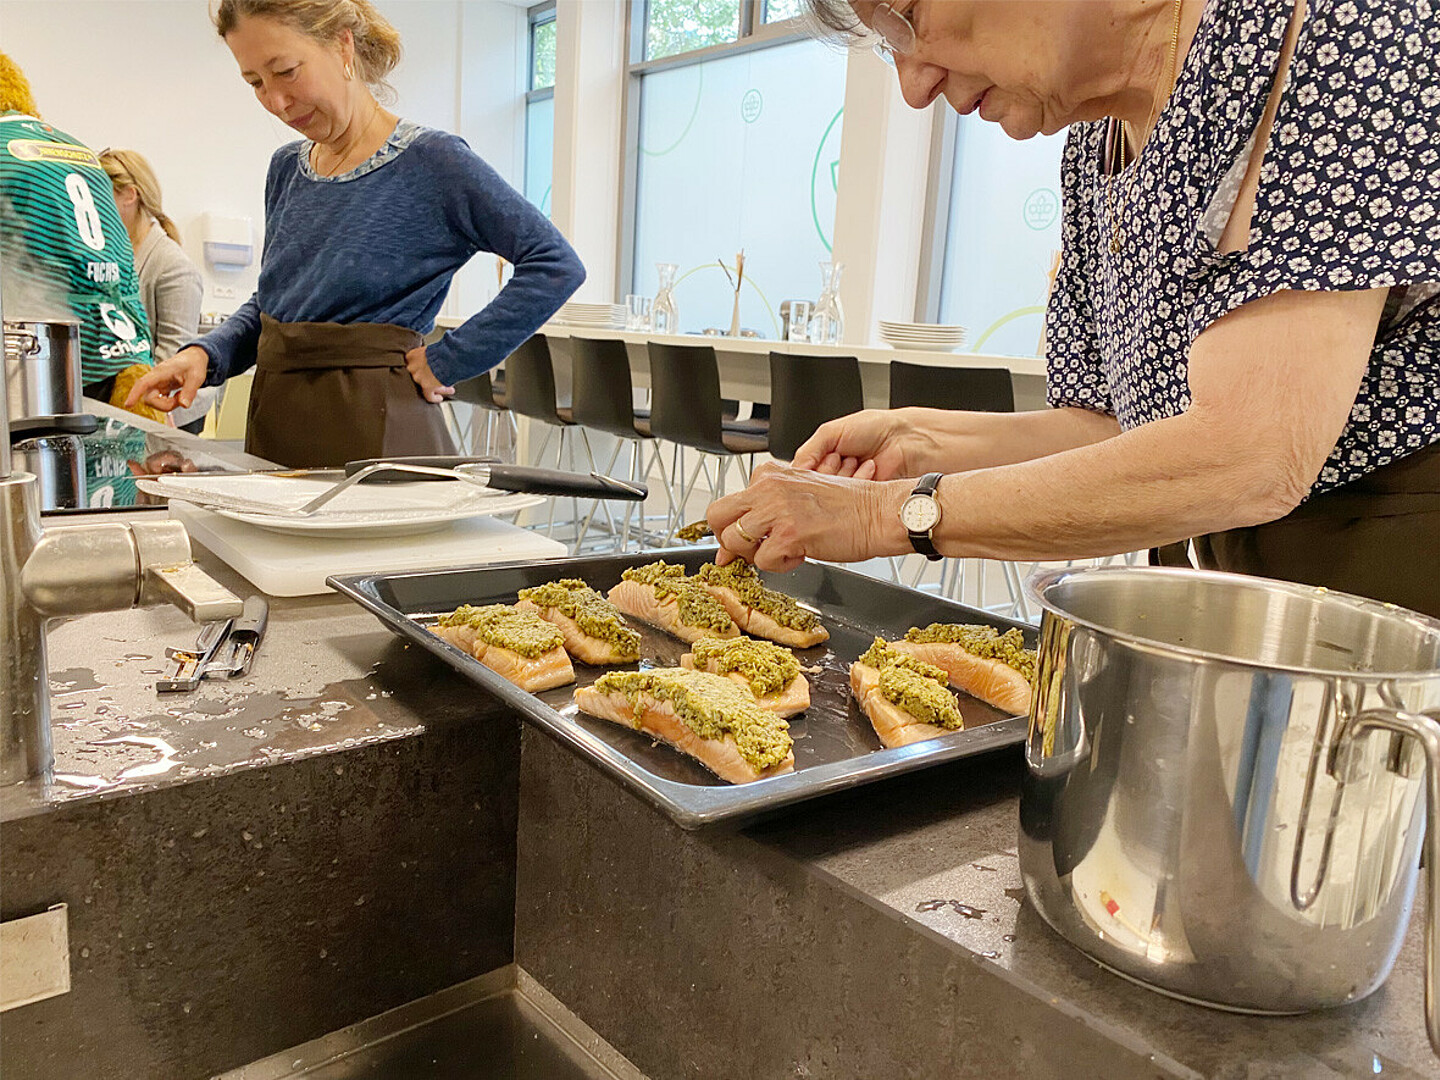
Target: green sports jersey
{"type": "Point", "coordinates": [65, 250]}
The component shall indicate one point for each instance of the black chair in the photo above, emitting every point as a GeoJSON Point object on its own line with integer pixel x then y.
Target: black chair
{"type": "Point", "coordinates": [481, 392]}
{"type": "Point", "coordinates": [685, 409]}
{"type": "Point", "coordinates": [972, 389]}
{"type": "Point", "coordinates": [530, 385]}
{"type": "Point", "coordinates": [805, 392]}
{"type": "Point", "coordinates": [603, 396]}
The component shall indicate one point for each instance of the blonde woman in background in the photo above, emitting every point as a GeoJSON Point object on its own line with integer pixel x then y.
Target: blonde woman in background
{"type": "Point", "coordinates": [170, 285]}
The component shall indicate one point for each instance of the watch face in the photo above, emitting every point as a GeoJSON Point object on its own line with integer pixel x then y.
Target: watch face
{"type": "Point", "coordinates": [919, 513]}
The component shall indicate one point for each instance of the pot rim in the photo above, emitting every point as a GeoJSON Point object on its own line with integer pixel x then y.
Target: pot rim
{"type": "Point", "coordinates": [1042, 579]}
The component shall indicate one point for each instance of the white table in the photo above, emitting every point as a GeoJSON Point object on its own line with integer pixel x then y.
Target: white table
{"type": "Point", "coordinates": [745, 362]}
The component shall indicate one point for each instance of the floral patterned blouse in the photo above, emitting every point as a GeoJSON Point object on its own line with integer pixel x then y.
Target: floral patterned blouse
{"type": "Point", "coordinates": [1349, 198]}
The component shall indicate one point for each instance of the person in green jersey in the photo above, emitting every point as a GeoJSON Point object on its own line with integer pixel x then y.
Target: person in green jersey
{"type": "Point", "coordinates": [63, 246]}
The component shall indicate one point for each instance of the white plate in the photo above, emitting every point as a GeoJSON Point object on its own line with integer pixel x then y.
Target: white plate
{"type": "Point", "coordinates": [369, 510]}
{"type": "Point", "coordinates": [923, 346]}
{"type": "Point", "coordinates": [937, 328]}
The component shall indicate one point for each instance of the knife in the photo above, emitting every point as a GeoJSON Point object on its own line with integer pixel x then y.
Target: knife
{"type": "Point", "coordinates": [502, 477]}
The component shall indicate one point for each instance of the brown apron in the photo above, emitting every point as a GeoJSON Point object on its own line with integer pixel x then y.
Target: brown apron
{"type": "Point", "coordinates": [325, 394]}
{"type": "Point", "coordinates": [1378, 536]}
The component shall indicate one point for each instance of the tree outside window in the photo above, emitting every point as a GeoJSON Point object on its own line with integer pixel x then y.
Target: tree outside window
{"type": "Point", "coordinates": [676, 26]}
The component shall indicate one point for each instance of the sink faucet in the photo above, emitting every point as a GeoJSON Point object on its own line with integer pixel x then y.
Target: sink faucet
{"type": "Point", "coordinates": [74, 570]}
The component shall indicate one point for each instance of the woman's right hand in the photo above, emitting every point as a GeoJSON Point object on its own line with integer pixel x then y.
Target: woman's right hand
{"type": "Point", "coordinates": [174, 382]}
{"type": "Point", "coordinates": [875, 444]}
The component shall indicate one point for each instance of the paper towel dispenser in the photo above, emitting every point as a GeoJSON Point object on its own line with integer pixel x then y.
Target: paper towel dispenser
{"type": "Point", "coordinates": [228, 241]}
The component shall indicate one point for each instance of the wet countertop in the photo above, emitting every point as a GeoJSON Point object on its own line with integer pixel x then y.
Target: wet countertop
{"type": "Point", "coordinates": [934, 853]}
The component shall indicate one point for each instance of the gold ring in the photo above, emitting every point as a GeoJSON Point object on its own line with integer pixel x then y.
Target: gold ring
{"type": "Point", "coordinates": [745, 535]}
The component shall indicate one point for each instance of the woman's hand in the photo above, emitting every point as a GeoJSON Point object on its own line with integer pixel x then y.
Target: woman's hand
{"type": "Point", "coordinates": [876, 444]}
{"type": "Point", "coordinates": [172, 383]}
{"type": "Point", "coordinates": [787, 515]}
{"type": "Point", "coordinates": [432, 388]}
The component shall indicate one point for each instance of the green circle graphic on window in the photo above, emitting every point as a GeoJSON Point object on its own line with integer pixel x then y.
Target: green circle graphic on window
{"type": "Point", "coordinates": [1042, 207]}
{"type": "Point", "coordinates": [825, 180]}
{"type": "Point", "coordinates": [751, 105]}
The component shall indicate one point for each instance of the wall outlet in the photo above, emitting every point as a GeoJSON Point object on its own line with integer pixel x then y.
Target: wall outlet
{"type": "Point", "coordinates": [225, 292]}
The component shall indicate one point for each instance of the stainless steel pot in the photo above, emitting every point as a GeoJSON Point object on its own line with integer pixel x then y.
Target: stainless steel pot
{"type": "Point", "coordinates": [1227, 784]}
{"type": "Point", "coordinates": [42, 368]}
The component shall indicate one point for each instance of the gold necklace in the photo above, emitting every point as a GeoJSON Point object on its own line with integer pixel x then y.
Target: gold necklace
{"type": "Point", "coordinates": [1115, 166]}
{"type": "Point", "coordinates": [335, 170]}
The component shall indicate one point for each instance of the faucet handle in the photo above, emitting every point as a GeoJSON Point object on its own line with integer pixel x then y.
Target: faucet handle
{"type": "Point", "coordinates": [190, 589]}
{"type": "Point", "coordinates": [169, 576]}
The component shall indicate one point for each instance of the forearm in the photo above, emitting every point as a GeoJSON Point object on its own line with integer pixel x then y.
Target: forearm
{"type": "Point", "coordinates": [536, 291]}
{"type": "Point", "coordinates": [1159, 483]}
{"type": "Point", "coordinates": [231, 346]}
{"type": "Point", "coordinates": [949, 441]}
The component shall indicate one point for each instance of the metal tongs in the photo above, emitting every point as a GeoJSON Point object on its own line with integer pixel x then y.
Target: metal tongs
{"type": "Point", "coordinates": [224, 650]}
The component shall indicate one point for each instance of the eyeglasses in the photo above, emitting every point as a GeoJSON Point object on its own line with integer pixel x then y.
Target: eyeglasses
{"type": "Point", "coordinates": [896, 33]}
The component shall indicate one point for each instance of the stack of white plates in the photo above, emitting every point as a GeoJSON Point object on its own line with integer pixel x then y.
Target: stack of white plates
{"type": "Point", "coordinates": [595, 316]}
{"type": "Point", "coordinates": [924, 337]}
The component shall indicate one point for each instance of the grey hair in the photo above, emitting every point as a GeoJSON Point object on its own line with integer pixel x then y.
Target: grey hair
{"type": "Point", "coordinates": [835, 21]}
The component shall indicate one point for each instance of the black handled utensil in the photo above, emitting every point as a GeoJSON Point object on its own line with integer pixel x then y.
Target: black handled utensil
{"type": "Point", "coordinates": [518, 478]}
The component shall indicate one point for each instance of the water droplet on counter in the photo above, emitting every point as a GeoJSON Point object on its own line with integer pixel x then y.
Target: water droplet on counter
{"type": "Point", "coordinates": [980, 866]}
{"type": "Point", "coordinates": [960, 909]}
{"type": "Point", "coordinates": [989, 955]}
{"type": "Point", "coordinates": [73, 705]}
{"type": "Point", "coordinates": [1007, 937]}
{"type": "Point", "coordinates": [137, 656]}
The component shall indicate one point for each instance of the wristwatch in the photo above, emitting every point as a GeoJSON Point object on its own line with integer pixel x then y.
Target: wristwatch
{"type": "Point", "coordinates": [920, 513]}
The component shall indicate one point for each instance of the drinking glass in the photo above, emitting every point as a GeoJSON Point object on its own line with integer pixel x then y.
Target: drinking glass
{"type": "Point", "coordinates": [799, 324]}
{"type": "Point", "coordinates": [637, 312]}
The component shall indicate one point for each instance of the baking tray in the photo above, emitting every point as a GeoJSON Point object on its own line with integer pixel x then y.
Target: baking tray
{"type": "Point", "coordinates": [836, 749]}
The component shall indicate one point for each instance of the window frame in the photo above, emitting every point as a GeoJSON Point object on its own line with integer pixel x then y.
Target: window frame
{"type": "Point", "coordinates": [536, 16]}
{"type": "Point", "coordinates": [754, 34]}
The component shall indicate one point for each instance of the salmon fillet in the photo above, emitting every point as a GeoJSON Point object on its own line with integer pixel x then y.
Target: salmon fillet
{"type": "Point", "coordinates": [542, 665]}
{"type": "Point", "coordinates": [991, 680]}
{"type": "Point", "coordinates": [676, 604]}
{"type": "Point", "coordinates": [758, 666]}
{"type": "Point", "coordinates": [657, 703]}
{"type": "Point", "coordinates": [761, 611]}
{"type": "Point", "coordinates": [894, 725]}
{"type": "Point", "coordinates": [594, 630]}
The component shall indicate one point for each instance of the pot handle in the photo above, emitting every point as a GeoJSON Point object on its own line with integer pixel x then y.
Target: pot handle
{"type": "Point", "coordinates": [1424, 728]}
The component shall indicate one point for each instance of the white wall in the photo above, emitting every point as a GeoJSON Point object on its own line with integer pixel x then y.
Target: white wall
{"type": "Point", "coordinates": [153, 76]}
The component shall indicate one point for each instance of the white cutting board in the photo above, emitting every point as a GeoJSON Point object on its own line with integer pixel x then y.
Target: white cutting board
{"type": "Point", "coordinates": [286, 564]}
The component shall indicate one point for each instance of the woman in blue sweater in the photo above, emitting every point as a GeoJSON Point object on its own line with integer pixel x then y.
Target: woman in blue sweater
{"type": "Point", "coordinates": [366, 221]}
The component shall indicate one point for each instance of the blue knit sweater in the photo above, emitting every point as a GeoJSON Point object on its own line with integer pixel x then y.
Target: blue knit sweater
{"type": "Point", "coordinates": [380, 244]}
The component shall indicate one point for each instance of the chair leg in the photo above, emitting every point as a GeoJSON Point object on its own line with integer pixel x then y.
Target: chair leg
{"type": "Point", "coordinates": [595, 504]}
{"type": "Point", "coordinates": [685, 492]}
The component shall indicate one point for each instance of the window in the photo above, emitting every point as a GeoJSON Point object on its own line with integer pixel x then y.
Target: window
{"type": "Point", "coordinates": [780, 10]}
{"type": "Point", "coordinates": [540, 107]}
{"type": "Point", "coordinates": [677, 26]}
{"type": "Point", "coordinates": [1003, 233]}
{"type": "Point", "coordinates": [738, 149]}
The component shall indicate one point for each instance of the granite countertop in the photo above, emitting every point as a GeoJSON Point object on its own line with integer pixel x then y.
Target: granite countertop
{"type": "Point", "coordinates": [936, 851]}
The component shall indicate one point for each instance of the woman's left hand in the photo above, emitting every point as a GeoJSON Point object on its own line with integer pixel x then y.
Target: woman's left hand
{"type": "Point", "coordinates": [787, 515]}
{"type": "Point", "coordinates": [434, 390]}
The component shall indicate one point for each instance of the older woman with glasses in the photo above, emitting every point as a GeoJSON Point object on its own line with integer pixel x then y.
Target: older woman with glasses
{"type": "Point", "coordinates": [1243, 340]}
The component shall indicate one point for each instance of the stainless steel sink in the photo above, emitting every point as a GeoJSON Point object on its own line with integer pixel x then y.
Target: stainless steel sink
{"type": "Point", "coordinates": [500, 1025]}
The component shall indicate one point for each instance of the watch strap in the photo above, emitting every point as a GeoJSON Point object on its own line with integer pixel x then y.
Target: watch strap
{"type": "Point", "coordinates": [921, 541]}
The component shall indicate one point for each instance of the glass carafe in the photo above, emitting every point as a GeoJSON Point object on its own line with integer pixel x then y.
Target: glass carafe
{"type": "Point", "coordinates": [664, 313]}
{"type": "Point", "coordinates": [827, 322]}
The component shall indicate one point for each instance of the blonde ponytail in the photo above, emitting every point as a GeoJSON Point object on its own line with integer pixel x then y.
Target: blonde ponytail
{"type": "Point", "coordinates": [129, 169]}
{"type": "Point", "coordinates": [377, 42]}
